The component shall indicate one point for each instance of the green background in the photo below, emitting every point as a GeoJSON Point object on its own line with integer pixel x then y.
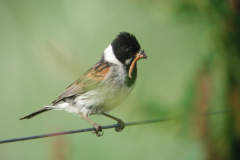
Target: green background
{"type": "Point", "coordinates": [46, 45]}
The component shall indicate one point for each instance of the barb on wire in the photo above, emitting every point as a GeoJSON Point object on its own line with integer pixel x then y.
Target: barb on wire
{"type": "Point", "coordinates": [91, 129]}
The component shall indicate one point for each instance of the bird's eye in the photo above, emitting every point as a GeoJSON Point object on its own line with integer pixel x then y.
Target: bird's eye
{"type": "Point", "coordinates": [127, 50]}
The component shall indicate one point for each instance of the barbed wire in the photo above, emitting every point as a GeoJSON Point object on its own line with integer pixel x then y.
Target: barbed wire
{"type": "Point", "coordinates": [92, 129]}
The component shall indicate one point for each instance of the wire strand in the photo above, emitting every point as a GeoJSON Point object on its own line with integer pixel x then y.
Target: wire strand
{"type": "Point", "coordinates": [92, 129]}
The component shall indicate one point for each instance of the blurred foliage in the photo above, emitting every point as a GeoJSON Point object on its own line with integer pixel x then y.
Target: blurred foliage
{"type": "Point", "coordinates": [193, 68]}
{"type": "Point", "coordinates": [224, 21]}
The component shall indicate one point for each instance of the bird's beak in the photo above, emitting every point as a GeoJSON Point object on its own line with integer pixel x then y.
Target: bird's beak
{"type": "Point", "coordinates": [142, 54]}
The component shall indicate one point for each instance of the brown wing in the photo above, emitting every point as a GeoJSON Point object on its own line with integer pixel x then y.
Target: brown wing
{"type": "Point", "coordinates": [88, 81]}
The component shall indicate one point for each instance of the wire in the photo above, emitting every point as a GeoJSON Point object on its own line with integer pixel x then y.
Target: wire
{"type": "Point", "coordinates": [92, 129]}
{"type": "Point", "coordinates": [80, 130]}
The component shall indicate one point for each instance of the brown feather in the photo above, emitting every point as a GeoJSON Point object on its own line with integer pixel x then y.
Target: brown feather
{"type": "Point", "coordinates": [90, 80]}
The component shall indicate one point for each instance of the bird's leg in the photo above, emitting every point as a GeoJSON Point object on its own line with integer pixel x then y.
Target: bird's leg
{"type": "Point", "coordinates": [97, 126]}
{"type": "Point", "coordinates": [117, 129]}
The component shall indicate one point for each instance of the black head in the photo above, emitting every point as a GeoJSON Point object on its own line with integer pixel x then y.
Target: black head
{"type": "Point", "coordinates": [125, 47]}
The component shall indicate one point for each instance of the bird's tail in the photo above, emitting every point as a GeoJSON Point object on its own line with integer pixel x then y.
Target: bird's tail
{"type": "Point", "coordinates": [47, 108]}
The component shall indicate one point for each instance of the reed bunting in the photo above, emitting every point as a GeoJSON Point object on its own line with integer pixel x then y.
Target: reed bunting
{"type": "Point", "coordinates": [105, 85]}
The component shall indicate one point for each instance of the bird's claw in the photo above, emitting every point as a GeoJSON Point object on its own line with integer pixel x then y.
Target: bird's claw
{"type": "Point", "coordinates": [98, 129]}
{"type": "Point", "coordinates": [99, 135]}
{"type": "Point", "coordinates": [122, 126]}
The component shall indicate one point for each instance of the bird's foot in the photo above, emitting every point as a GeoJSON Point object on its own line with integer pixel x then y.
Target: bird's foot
{"type": "Point", "coordinates": [122, 126]}
{"type": "Point", "coordinates": [98, 129]}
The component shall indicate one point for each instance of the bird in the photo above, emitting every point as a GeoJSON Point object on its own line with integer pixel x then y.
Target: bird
{"type": "Point", "coordinates": [104, 86]}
